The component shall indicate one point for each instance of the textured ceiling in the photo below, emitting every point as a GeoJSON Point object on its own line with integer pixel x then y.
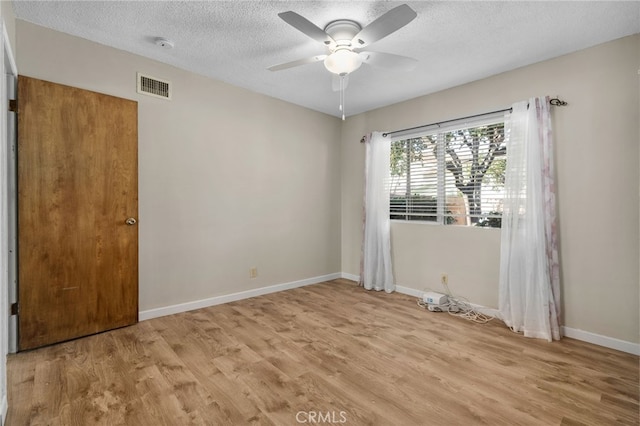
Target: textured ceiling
{"type": "Point", "coordinates": [236, 41]}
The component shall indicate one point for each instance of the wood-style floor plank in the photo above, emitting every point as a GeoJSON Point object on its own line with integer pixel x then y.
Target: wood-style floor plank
{"type": "Point", "coordinates": [327, 353]}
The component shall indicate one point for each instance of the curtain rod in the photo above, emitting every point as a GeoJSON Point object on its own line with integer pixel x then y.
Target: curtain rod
{"type": "Point", "coordinates": [553, 101]}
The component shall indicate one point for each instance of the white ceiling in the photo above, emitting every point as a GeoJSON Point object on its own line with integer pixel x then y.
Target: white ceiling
{"type": "Point", "coordinates": [236, 41]}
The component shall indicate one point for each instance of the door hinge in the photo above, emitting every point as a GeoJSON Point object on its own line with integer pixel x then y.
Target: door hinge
{"type": "Point", "coordinates": [15, 309]}
{"type": "Point", "coordinates": [13, 105]}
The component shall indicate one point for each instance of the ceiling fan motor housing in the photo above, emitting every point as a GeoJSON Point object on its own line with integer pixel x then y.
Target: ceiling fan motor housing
{"type": "Point", "coordinates": [343, 31]}
{"type": "Point", "coordinates": [342, 60]}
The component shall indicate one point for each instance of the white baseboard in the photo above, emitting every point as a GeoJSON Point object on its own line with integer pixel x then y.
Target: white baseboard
{"type": "Point", "coordinates": [597, 339]}
{"type": "Point", "coordinates": [600, 340]}
{"type": "Point", "coordinates": [4, 407]}
{"type": "Point", "coordinates": [218, 300]}
{"type": "Point", "coordinates": [585, 336]}
{"type": "Point", "coordinates": [409, 291]}
{"type": "Point", "coordinates": [351, 277]}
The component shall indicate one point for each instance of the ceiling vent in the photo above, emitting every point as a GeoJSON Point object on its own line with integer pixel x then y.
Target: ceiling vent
{"type": "Point", "coordinates": [152, 86]}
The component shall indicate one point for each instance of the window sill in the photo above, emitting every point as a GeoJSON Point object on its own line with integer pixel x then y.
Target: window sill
{"type": "Point", "coordinates": [423, 223]}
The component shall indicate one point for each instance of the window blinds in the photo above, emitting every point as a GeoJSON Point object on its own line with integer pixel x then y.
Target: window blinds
{"type": "Point", "coordinates": [449, 176]}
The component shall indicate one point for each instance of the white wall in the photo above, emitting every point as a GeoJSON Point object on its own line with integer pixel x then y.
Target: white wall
{"type": "Point", "coordinates": [597, 140]}
{"type": "Point", "coordinates": [228, 179]}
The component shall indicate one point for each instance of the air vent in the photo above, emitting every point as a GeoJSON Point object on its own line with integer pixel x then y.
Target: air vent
{"type": "Point", "coordinates": [152, 86]}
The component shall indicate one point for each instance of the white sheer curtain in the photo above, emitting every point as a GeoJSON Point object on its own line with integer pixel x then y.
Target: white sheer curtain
{"type": "Point", "coordinates": [529, 299]}
{"type": "Point", "coordinates": [375, 267]}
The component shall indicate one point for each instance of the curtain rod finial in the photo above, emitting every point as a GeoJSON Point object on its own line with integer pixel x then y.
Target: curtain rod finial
{"type": "Point", "coordinates": [557, 102]}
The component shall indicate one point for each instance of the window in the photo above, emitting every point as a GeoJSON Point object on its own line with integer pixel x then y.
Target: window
{"type": "Point", "coordinates": [453, 176]}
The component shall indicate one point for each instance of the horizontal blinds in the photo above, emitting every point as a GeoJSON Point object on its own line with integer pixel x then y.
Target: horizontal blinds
{"type": "Point", "coordinates": [455, 176]}
{"type": "Point", "coordinates": [414, 186]}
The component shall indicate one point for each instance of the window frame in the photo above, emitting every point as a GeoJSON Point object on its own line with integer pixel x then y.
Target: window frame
{"type": "Point", "coordinates": [440, 131]}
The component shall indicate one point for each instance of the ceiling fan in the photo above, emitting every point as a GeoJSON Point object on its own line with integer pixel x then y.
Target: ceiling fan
{"type": "Point", "coordinates": [345, 40]}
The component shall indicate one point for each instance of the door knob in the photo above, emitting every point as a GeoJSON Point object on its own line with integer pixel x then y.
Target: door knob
{"type": "Point", "coordinates": [130, 221]}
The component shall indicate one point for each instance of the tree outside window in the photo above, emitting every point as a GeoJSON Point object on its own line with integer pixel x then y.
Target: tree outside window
{"type": "Point", "coordinates": [450, 177]}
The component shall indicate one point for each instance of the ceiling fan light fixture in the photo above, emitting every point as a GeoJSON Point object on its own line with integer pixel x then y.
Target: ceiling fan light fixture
{"type": "Point", "coordinates": [342, 62]}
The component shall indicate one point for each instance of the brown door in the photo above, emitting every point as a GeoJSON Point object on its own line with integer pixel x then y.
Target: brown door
{"type": "Point", "coordinates": [77, 189]}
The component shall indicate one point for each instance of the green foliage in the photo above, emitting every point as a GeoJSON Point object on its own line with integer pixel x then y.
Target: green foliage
{"type": "Point", "coordinates": [417, 207]}
{"type": "Point", "coordinates": [496, 173]}
{"type": "Point", "coordinates": [491, 220]}
{"type": "Point", "coordinates": [411, 149]}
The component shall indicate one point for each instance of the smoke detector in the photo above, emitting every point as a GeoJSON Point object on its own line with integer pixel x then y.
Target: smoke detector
{"type": "Point", "coordinates": [163, 42]}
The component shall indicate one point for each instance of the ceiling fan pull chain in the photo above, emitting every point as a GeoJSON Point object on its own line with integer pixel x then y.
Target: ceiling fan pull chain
{"type": "Point", "coordinates": [342, 95]}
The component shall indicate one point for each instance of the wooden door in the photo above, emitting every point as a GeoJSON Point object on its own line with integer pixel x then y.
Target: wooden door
{"type": "Point", "coordinates": [77, 188]}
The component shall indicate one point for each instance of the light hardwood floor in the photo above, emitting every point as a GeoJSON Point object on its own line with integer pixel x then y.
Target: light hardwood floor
{"type": "Point", "coordinates": [326, 353]}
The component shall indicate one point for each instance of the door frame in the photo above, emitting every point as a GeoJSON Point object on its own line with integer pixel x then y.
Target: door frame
{"type": "Point", "coordinates": [8, 210]}
{"type": "Point", "coordinates": [10, 92]}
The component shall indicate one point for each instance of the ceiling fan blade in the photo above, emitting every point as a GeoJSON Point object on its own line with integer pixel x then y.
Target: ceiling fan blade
{"type": "Point", "coordinates": [297, 63]}
{"type": "Point", "coordinates": [391, 21]}
{"type": "Point", "coordinates": [335, 82]}
{"type": "Point", "coordinates": [388, 61]}
{"type": "Point", "coordinates": [307, 27]}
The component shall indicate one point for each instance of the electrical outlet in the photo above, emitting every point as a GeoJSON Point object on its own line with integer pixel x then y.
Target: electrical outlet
{"type": "Point", "coordinates": [253, 272]}
{"type": "Point", "coordinates": [444, 279]}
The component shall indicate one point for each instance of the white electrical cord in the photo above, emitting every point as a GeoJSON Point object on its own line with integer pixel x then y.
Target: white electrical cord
{"type": "Point", "coordinates": [460, 307]}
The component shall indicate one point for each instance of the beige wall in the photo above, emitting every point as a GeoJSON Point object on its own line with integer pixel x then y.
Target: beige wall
{"type": "Point", "coordinates": [9, 19]}
{"type": "Point", "coordinates": [597, 140]}
{"type": "Point", "coordinates": [224, 186]}
{"type": "Point", "coordinates": [228, 179]}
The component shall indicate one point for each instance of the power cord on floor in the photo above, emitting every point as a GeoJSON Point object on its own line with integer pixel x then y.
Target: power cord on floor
{"type": "Point", "coordinates": [460, 307]}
